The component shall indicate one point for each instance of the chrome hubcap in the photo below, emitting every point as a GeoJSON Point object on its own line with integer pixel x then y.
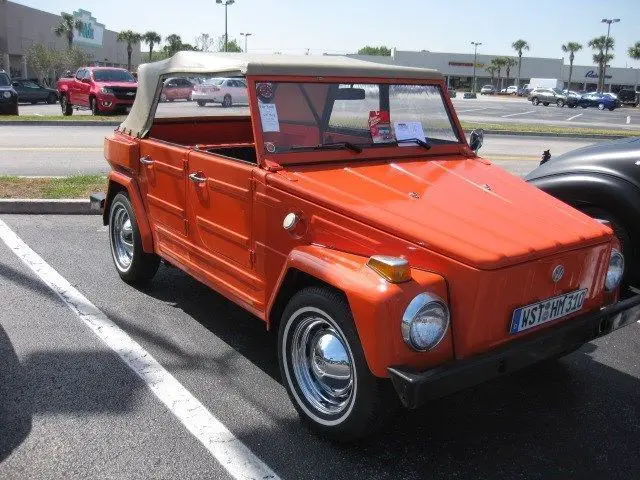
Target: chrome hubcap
{"type": "Point", "coordinates": [322, 365]}
{"type": "Point", "coordinates": [121, 237]}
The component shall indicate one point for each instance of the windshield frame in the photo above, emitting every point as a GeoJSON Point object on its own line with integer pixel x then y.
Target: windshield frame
{"type": "Point", "coordinates": [376, 151]}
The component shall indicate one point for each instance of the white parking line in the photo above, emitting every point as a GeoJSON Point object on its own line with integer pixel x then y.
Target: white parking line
{"type": "Point", "coordinates": [575, 116]}
{"type": "Point", "coordinates": [514, 114]}
{"type": "Point", "coordinates": [231, 453]}
{"type": "Point", "coordinates": [472, 110]}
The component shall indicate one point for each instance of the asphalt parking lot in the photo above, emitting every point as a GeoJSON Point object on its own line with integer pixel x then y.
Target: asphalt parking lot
{"type": "Point", "coordinates": [70, 408]}
{"type": "Point", "coordinates": [483, 109]}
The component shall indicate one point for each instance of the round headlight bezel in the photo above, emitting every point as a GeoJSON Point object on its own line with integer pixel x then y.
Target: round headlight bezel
{"type": "Point", "coordinates": [419, 306]}
{"type": "Point", "coordinates": [6, 94]}
{"type": "Point", "coordinates": [612, 282]}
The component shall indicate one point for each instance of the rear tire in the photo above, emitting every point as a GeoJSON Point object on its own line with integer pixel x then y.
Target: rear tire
{"type": "Point", "coordinates": [324, 369]}
{"type": "Point", "coordinates": [227, 101]}
{"type": "Point", "coordinates": [201, 103]}
{"type": "Point", "coordinates": [67, 108]}
{"type": "Point", "coordinates": [134, 266]}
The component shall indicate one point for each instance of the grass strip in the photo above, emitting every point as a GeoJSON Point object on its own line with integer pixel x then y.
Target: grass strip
{"type": "Point", "coordinates": [77, 186]}
{"type": "Point", "coordinates": [549, 129]}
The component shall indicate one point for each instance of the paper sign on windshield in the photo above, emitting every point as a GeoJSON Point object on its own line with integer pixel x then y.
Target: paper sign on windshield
{"type": "Point", "coordinates": [409, 130]}
{"type": "Point", "coordinates": [380, 126]}
{"type": "Point", "coordinates": [269, 117]}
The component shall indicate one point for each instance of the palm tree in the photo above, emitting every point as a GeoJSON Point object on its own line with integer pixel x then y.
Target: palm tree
{"type": "Point", "coordinates": [491, 69]}
{"type": "Point", "coordinates": [66, 27]}
{"type": "Point", "coordinates": [600, 45]}
{"type": "Point", "coordinates": [151, 38]}
{"type": "Point", "coordinates": [130, 38]}
{"type": "Point", "coordinates": [634, 53]}
{"type": "Point", "coordinates": [498, 62]}
{"type": "Point", "coordinates": [571, 48]}
{"type": "Point", "coordinates": [519, 46]}
{"type": "Point", "coordinates": [508, 63]}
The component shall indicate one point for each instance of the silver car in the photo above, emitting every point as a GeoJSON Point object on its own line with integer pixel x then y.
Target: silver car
{"type": "Point", "coordinates": [547, 96]}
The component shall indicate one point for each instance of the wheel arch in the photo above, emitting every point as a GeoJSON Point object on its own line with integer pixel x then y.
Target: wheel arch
{"type": "Point", "coordinates": [120, 182]}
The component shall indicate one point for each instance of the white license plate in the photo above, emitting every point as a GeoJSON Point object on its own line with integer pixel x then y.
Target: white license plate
{"type": "Point", "coordinates": [547, 310]}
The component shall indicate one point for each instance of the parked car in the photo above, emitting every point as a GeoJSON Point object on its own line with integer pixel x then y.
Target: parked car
{"type": "Point", "coordinates": [31, 91]}
{"type": "Point", "coordinates": [511, 90]}
{"type": "Point", "coordinates": [226, 91]}
{"type": "Point", "coordinates": [487, 90]}
{"type": "Point", "coordinates": [629, 96]}
{"type": "Point", "coordinates": [603, 181]}
{"type": "Point", "coordinates": [309, 212]}
{"type": "Point", "coordinates": [547, 96]}
{"type": "Point", "coordinates": [452, 92]}
{"type": "Point", "coordinates": [8, 96]}
{"type": "Point", "coordinates": [573, 97]}
{"type": "Point", "coordinates": [102, 90]}
{"type": "Point", "coordinates": [176, 89]}
{"type": "Point", "coordinates": [600, 100]}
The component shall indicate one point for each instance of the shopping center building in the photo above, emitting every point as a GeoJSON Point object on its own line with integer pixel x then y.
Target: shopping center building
{"type": "Point", "coordinates": [458, 70]}
{"type": "Point", "coordinates": [22, 26]}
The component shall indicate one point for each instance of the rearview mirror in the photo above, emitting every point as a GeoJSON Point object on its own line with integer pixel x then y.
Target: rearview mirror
{"type": "Point", "coordinates": [476, 139]}
{"type": "Point", "coordinates": [350, 94]}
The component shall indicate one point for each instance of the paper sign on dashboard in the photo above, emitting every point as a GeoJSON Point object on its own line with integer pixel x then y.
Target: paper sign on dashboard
{"type": "Point", "coordinates": [408, 130]}
{"type": "Point", "coordinates": [269, 117]}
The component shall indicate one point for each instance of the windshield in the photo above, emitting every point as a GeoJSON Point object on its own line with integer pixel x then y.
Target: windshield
{"type": "Point", "coordinates": [4, 80]}
{"type": "Point", "coordinates": [298, 116]}
{"type": "Point", "coordinates": [113, 76]}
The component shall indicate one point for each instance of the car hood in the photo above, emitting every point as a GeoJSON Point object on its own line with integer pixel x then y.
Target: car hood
{"type": "Point", "coordinates": [466, 209]}
{"type": "Point", "coordinates": [616, 157]}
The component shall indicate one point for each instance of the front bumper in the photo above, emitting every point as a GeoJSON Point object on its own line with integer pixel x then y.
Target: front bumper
{"type": "Point", "coordinates": [416, 388]}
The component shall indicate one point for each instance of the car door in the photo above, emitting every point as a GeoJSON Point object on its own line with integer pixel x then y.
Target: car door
{"type": "Point", "coordinates": [23, 95]}
{"type": "Point", "coordinates": [242, 91]}
{"type": "Point", "coordinates": [220, 206]}
{"type": "Point", "coordinates": [162, 177]}
{"type": "Point", "coordinates": [185, 88]}
{"type": "Point", "coordinates": [74, 88]}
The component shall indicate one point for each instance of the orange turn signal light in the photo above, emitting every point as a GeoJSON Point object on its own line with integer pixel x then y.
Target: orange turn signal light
{"type": "Point", "coordinates": [392, 269]}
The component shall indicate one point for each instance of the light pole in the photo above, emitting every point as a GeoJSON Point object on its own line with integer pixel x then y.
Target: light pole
{"type": "Point", "coordinates": [226, 3]}
{"type": "Point", "coordinates": [608, 21]}
{"type": "Point", "coordinates": [246, 35]}
{"type": "Point", "coordinates": [475, 57]}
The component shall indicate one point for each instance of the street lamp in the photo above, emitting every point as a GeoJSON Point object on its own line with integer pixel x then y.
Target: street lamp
{"type": "Point", "coordinates": [608, 21]}
{"type": "Point", "coordinates": [226, 3]}
{"type": "Point", "coordinates": [475, 57]}
{"type": "Point", "coordinates": [246, 35]}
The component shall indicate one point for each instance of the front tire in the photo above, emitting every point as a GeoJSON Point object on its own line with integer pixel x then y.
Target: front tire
{"type": "Point", "coordinates": [227, 101]}
{"type": "Point", "coordinates": [324, 369]}
{"type": "Point", "coordinates": [535, 102]}
{"type": "Point", "coordinates": [201, 103]}
{"type": "Point", "coordinates": [134, 266]}
{"type": "Point", "coordinates": [93, 106]}
{"type": "Point", "coordinates": [601, 106]}
{"type": "Point", "coordinates": [560, 103]}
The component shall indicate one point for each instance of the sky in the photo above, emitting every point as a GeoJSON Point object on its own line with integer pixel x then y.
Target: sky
{"type": "Point", "coordinates": [343, 26]}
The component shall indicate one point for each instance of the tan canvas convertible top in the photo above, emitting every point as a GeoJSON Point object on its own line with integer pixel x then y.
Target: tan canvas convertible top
{"type": "Point", "coordinates": [229, 64]}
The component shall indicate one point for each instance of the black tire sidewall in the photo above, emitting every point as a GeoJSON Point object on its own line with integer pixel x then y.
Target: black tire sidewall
{"type": "Point", "coordinates": [357, 418]}
{"type": "Point", "coordinates": [227, 101]}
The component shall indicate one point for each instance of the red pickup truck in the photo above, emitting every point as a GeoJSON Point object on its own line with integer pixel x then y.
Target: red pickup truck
{"type": "Point", "coordinates": [100, 89]}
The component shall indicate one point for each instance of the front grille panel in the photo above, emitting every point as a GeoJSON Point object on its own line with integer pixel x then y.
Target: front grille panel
{"type": "Point", "coordinates": [124, 93]}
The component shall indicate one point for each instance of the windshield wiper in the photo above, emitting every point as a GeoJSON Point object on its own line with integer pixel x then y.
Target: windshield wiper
{"type": "Point", "coordinates": [336, 145]}
{"type": "Point", "coordinates": [422, 143]}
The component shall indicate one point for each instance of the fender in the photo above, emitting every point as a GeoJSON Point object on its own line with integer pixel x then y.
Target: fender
{"type": "Point", "coordinates": [608, 192]}
{"type": "Point", "coordinates": [376, 305]}
{"type": "Point", "coordinates": [118, 181]}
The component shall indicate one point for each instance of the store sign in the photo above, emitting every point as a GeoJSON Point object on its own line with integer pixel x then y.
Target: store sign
{"type": "Point", "coordinates": [465, 64]}
{"type": "Point", "coordinates": [593, 74]}
{"type": "Point", "coordinates": [91, 32]}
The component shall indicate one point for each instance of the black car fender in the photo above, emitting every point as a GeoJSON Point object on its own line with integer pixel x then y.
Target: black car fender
{"type": "Point", "coordinates": [591, 189]}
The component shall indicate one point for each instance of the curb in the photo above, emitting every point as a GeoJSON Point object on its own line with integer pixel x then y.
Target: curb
{"type": "Point", "coordinates": [61, 123]}
{"type": "Point", "coordinates": [42, 206]}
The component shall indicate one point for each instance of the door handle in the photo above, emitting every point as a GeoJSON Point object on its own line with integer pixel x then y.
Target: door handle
{"type": "Point", "coordinates": [146, 160]}
{"type": "Point", "coordinates": [196, 178]}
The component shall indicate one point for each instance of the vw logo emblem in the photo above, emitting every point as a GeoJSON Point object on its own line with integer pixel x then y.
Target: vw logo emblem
{"type": "Point", "coordinates": [557, 274]}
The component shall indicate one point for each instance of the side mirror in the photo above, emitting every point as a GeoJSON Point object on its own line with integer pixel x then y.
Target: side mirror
{"type": "Point", "coordinates": [476, 139]}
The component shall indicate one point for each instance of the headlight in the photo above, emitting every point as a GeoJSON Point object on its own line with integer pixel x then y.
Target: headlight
{"type": "Point", "coordinates": [106, 90]}
{"type": "Point", "coordinates": [425, 322]}
{"type": "Point", "coordinates": [615, 271]}
{"type": "Point", "coordinates": [6, 94]}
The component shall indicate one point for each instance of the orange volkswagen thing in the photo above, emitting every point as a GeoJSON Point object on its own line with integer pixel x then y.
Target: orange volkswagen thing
{"type": "Point", "coordinates": [345, 209]}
